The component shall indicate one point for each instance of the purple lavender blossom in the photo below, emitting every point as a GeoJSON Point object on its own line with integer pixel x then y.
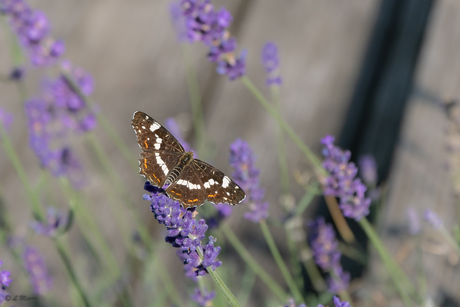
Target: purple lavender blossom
{"type": "Point", "coordinates": [342, 182]}
{"type": "Point", "coordinates": [32, 29]}
{"type": "Point", "coordinates": [55, 221]}
{"type": "Point", "coordinates": [413, 221]}
{"type": "Point", "coordinates": [35, 265]}
{"type": "Point", "coordinates": [185, 232]}
{"type": "Point", "coordinates": [338, 303]}
{"type": "Point", "coordinates": [56, 115]}
{"type": "Point", "coordinates": [5, 281]}
{"type": "Point", "coordinates": [17, 74]}
{"type": "Point", "coordinates": [6, 119]}
{"type": "Point", "coordinates": [433, 219]}
{"type": "Point", "coordinates": [326, 254]}
{"type": "Point", "coordinates": [247, 176]}
{"type": "Point", "coordinates": [205, 24]}
{"type": "Point", "coordinates": [324, 244]}
{"type": "Point", "coordinates": [203, 298]}
{"type": "Point", "coordinates": [368, 169]}
{"type": "Point", "coordinates": [338, 280]}
{"type": "Point", "coordinates": [178, 21]}
{"type": "Point", "coordinates": [270, 61]}
{"type": "Point", "coordinates": [291, 303]}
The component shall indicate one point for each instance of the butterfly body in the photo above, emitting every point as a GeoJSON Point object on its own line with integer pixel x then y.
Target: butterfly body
{"type": "Point", "coordinates": [165, 164]}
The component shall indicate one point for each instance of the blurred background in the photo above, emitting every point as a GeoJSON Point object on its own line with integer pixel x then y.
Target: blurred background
{"type": "Point", "coordinates": [375, 74]}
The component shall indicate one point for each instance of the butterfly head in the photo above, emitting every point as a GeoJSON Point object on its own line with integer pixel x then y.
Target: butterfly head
{"type": "Point", "coordinates": [186, 158]}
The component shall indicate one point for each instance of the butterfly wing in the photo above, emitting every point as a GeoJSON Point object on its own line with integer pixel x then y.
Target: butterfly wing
{"type": "Point", "coordinates": [161, 151]}
{"type": "Point", "coordinates": [187, 189]}
{"type": "Point", "coordinates": [216, 186]}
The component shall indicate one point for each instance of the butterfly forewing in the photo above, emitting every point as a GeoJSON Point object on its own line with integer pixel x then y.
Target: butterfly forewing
{"type": "Point", "coordinates": [187, 189]}
{"type": "Point", "coordinates": [152, 136]}
{"type": "Point", "coordinates": [217, 187]}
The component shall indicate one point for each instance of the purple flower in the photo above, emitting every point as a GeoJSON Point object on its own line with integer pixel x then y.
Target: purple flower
{"type": "Point", "coordinates": [203, 298]}
{"type": "Point", "coordinates": [16, 74]}
{"type": "Point", "coordinates": [338, 303]}
{"type": "Point", "coordinates": [178, 21]}
{"type": "Point", "coordinates": [53, 117]}
{"type": "Point", "coordinates": [6, 119]}
{"type": "Point", "coordinates": [5, 281]}
{"type": "Point", "coordinates": [342, 182]}
{"type": "Point", "coordinates": [32, 30]}
{"type": "Point", "coordinates": [55, 220]}
{"type": "Point", "coordinates": [205, 24]}
{"type": "Point", "coordinates": [247, 176]}
{"type": "Point", "coordinates": [325, 251]}
{"type": "Point", "coordinates": [433, 219]}
{"type": "Point", "coordinates": [223, 212]}
{"type": "Point", "coordinates": [338, 280]}
{"type": "Point", "coordinates": [368, 169]}
{"type": "Point", "coordinates": [270, 61]}
{"type": "Point", "coordinates": [413, 221]}
{"type": "Point", "coordinates": [324, 244]}
{"type": "Point", "coordinates": [35, 265]}
{"type": "Point", "coordinates": [291, 303]}
{"type": "Point", "coordinates": [184, 232]}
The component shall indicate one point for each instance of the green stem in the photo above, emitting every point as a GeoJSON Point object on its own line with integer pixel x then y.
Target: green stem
{"type": "Point", "coordinates": [279, 261]}
{"type": "Point", "coordinates": [195, 102]}
{"type": "Point", "coordinates": [88, 228]}
{"type": "Point", "coordinates": [282, 159]}
{"type": "Point", "coordinates": [450, 239]}
{"type": "Point", "coordinates": [253, 264]}
{"type": "Point", "coordinates": [220, 284]}
{"type": "Point", "coordinates": [73, 277]}
{"type": "Point", "coordinates": [306, 199]}
{"type": "Point", "coordinates": [106, 125]}
{"type": "Point", "coordinates": [297, 140]}
{"type": "Point", "coordinates": [387, 260]}
{"type": "Point", "coordinates": [10, 152]}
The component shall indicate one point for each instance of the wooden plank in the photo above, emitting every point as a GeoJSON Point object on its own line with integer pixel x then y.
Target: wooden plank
{"type": "Point", "coordinates": [418, 177]}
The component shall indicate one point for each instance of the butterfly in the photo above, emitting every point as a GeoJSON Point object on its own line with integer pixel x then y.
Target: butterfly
{"type": "Point", "coordinates": [166, 164]}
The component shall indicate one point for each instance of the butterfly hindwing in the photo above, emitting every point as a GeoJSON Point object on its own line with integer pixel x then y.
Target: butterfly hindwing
{"type": "Point", "coordinates": [152, 136]}
{"type": "Point", "coordinates": [217, 187]}
{"type": "Point", "coordinates": [187, 189]}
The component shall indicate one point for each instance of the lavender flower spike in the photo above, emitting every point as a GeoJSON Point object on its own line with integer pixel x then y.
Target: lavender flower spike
{"type": "Point", "coordinates": [6, 119]}
{"type": "Point", "coordinates": [32, 30]}
{"type": "Point", "coordinates": [270, 61]}
{"type": "Point", "coordinates": [205, 24]}
{"type": "Point", "coordinates": [342, 182]}
{"type": "Point", "coordinates": [337, 303]}
{"type": "Point", "coordinates": [433, 219]}
{"type": "Point", "coordinates": [184, 231]}
{"type": "Point", "coordinates": [247, 176]}
{"type": "Point", "coordinates": [38, 273]}
{"type": "Point", "coordinates": [5, 281]}
{"type": "Point", "coordinates": [326, 254]}
{"type": "Point", "coordinates": [368, 169]}
{"type": "Point", "coordinates": [203, 298]}
{"type": "Point", "coordinates": [55, 220]}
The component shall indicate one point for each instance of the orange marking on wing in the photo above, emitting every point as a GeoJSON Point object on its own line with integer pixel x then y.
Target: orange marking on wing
{"type": "Point", "coordinates": [212, 195]}
{"type": "Point", "coordinates": [145, 163]}
{"type": "Point", "coordinates": [193, 200]}
{"type": "Point", "coordinates": [145, 143]}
